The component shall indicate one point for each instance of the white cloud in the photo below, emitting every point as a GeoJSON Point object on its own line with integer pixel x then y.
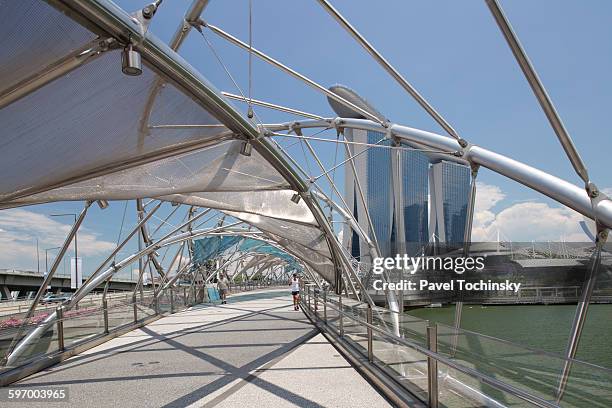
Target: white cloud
{"type": "Point", "coordinates": [340, 235]}
{"type": "Point", "coordinates": [487, 196]}
{"type": "Point", "coordinates": [19, 229]}
{"type": "Point", "coordinates": [524, 221]}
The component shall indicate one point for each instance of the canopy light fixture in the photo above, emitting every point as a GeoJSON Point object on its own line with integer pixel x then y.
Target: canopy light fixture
{"type": "Point", "coordinates": [130, 61]}
{"type": "Point", "coordinates": [102, 204]}
{"type": "Point", "coordinates": [246, 149]}
{"type": "Point", "coordinates": [296, 198]}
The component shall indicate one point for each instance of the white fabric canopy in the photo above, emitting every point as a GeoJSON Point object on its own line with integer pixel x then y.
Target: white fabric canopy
{"type": "Point", "coordinates": [95, 133]}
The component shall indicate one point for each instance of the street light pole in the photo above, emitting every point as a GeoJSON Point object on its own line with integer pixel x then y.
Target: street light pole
{"type": "Point", "coordinates": [47, 258]}
{"type": "Point", "coordinates": [37, 257]}
{"type": "Point", "coordinates": [76, 251]}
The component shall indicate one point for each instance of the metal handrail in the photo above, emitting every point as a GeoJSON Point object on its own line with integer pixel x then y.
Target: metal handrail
{"type": "Point", "coordinates": [486, 336]}
{"type": "Point", "coordinates": [104, 308]}
{"type": "Point", "coordinates": [500, 385]}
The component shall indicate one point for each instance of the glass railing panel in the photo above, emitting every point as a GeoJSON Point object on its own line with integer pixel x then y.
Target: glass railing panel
{"type": "Point", "coordinates": [533, 371]}
{"type": "Point", "coordinates": [82, 324]}
{"type": "Point", "coordinates": [411, 328]}
{"type": "Point", "coordinates": [163, 302]}
{"type": "Point", "coordinates": [536, 372]}
{"type": "Point", "coordinates": [459, 390]}
{"type": "Point", "coordinates": [353, 328]}
{"type": "Point", "coordinates": [145, 306]}
{"type": "Point", "coordinates": [406, 365]}
{"type": "Point", "coordinates": [120, 313]}
{"type": "Point", "coordinates": [588, 386]}
{"type": "Point", "coordinates": [47, 343]}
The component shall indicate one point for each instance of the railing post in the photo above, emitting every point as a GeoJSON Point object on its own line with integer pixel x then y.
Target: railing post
{"type": "Point", "coordinates": [156, 303]}
{"type": "Point", "coordinates": [105, 310]}
{"type": "Point", "coordinates": [432, 366]}
{"type": "Point", "coordinates": [370, 339]}
{"type": "Point", "coordinates": [316, 301]}
{"type": "Point", "coordinates": [135, 308]}
{"type": "Point", "coordinates": [171, 300]}
{"type": "Point", "coordinates": [340, 316]}
{"type": "Point", "coordinates": [325, 306]}
{"type": "Point", "coordinates": [60, 328]}
{"type": "Point", "coordinates": [309, 299]}
{"type": "Point", "coordinates": [185, 300]}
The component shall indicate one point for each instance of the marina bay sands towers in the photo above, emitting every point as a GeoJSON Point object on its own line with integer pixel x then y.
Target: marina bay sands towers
{"type": "Point", "coordinates": [415, 200]}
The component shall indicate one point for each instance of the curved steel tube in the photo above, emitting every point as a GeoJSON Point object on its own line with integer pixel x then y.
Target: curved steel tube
{"type": "Point", "coordinates": [554, 187]}
{"type": "Point", "coordinates": [93, 283]}
{"type": "Point", "coordinates": [106, 17]}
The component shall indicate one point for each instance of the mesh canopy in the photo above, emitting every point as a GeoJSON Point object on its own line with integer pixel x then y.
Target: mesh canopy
{"type": "Point", "coordinates": [219, 168]}
{"type": "Point", "coordinates": [254, 245]}
{"type": "Point", "coordinates": [307, 236]}
{"type": "Point", "coordinates": [275, 204]}
{"type": "Point", "coordinates": [212, 247]}
{"type": "Point", "coordinates": [78, 124]}
{"type": "Point", "coordinates": [24, 51]}
{"type": "Point", "coordinates": [96, 133]}
{"type": "Point", "coordinates": [315, 260]}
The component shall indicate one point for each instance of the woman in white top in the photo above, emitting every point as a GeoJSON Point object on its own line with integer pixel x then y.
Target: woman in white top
{"type": "Point", "coordinates": [295, 291]}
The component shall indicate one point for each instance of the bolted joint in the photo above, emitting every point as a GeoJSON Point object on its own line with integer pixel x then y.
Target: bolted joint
{"type": "Point", "coordinates": [602, 236]}
{"type": "Point", "coordinates": [295, 128]}
{"type": "Point", "coordinates": [475, 168]}
{"type": "Point", "coordinates": [462, 142]}
{"type": "Point", "coordinates": [296, 198]}
{"type": "Point", "coordinates": [197, 24]}
{"type": "Point", "coordinates": [592, 190]}
{"type": "Point", "coordinates": [389, 135]}
{"type": "Point", "coordinates": [149, 10]}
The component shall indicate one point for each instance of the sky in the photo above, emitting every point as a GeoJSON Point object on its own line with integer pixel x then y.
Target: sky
{"type": "Point", "coordinates": [451, 51]}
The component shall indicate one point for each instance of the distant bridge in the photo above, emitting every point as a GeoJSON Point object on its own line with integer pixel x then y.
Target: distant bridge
{"type": "Point", "coordinates": [12, 280]}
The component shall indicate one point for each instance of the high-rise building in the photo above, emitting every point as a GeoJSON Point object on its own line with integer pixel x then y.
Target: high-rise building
{"type": "Point", "coordinates": [411, 201]}
{"type": "Point", "coordinates": [449, 187]}
{"type": "Point", "coordinates": [374, 172]}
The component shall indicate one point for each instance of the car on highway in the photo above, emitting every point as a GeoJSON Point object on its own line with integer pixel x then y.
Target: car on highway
{"type": "Point", "coordinates": [53, 298]}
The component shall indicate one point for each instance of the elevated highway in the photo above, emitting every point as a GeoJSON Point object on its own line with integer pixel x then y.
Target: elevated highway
{"type": "Point", "coordinates": [13, 280]}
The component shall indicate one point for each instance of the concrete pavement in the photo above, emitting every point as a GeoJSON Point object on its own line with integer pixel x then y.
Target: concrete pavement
{"type": "Point", "coordinates": [253, 352]}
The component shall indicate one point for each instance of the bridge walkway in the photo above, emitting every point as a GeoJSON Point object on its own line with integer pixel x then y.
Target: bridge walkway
{"type": "Point", "coordinates": [253, 352]}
